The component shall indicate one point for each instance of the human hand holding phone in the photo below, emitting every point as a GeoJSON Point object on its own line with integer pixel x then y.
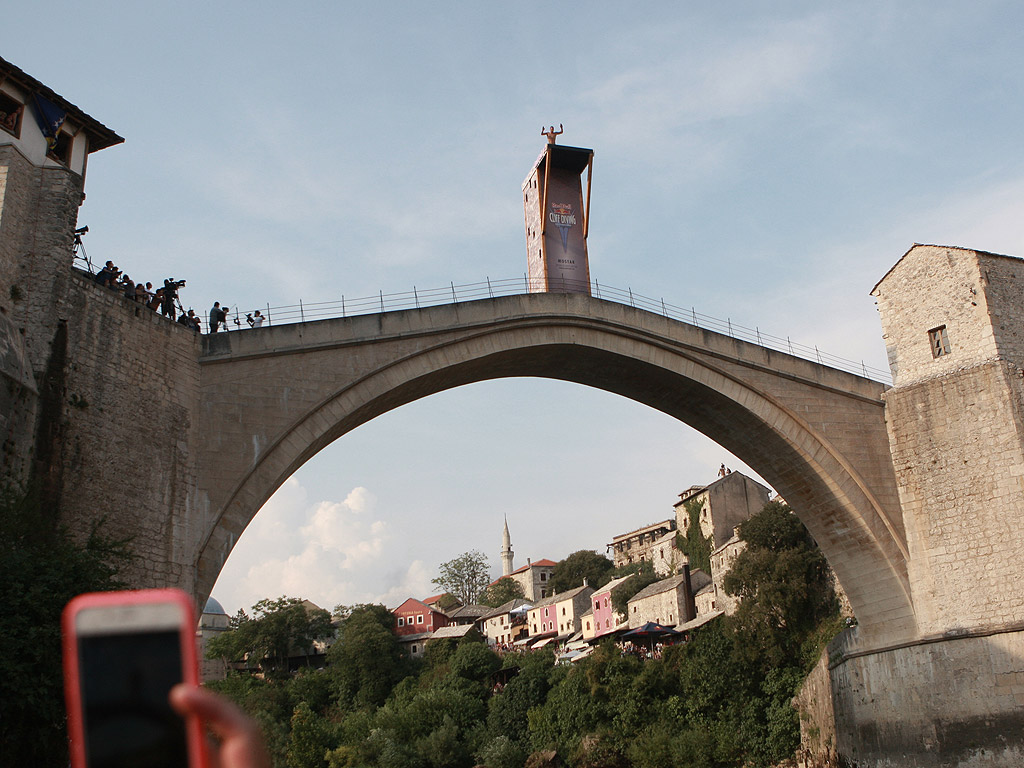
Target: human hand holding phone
{"type": "Point", "coordinates": [240, 740]}
{"type": "Point", "coordinates": [131, 680]}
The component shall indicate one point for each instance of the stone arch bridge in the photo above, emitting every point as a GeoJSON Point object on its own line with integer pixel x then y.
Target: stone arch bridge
{"type": "Point", "coordinates": [271, 398]}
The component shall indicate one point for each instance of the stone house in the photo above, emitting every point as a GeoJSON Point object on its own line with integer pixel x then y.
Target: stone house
{"type": "Point", "coordinates": [705, 599]}
{"type": "Point", "coordinates": [636, 546]}
{"type": "Point", "coordinates": [560, 614]}
{"type": "Point", "coordinates": [534, 578]}
{"type": "Point", "coordinates": [669, 601]}
{"type": "Point", "coordinates": [666, 557]}
{"type": "Point", "coordinates": [468, 614]}
{"type": "Point", "coordinates": [721, 561]}
{"type": "Point", "coordinates": [724, 504]}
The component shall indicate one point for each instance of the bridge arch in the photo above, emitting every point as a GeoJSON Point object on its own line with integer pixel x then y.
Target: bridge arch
{"type": "Point", "coordinates": [815, 434]}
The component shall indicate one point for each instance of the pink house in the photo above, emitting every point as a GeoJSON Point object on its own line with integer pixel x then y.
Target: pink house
{"type": "Point", "coordinates": [606, 618]}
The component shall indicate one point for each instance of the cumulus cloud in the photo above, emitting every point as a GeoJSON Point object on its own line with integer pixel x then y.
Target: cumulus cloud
{"type": "Point", "coordinates": [330, 552]}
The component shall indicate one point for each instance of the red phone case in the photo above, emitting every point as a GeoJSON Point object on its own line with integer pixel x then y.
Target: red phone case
{"type": "Point", "coordinates": [72, 688]}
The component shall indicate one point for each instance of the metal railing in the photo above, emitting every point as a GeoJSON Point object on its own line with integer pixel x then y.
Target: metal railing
{"type": "Point", "coordinates": [418, 298]}
{"type": "Point", "coordinates": [489, 289]}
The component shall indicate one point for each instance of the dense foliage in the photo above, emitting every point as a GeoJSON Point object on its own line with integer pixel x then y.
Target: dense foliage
{"type": "Point", "coordinates": [719, 701]}
{"type": "Point", "coordinates": [692, 542]}
{"type": "Point", "coordinates": [500, 592]}
{"type": "Point", "coordinates": [278, 629]}
{"type": "Point", "coordinates": [41, 568]}
{"type": "Point", "coordinates": [584, 564]}
{"type": "Point", "coordinates": [641, 575]}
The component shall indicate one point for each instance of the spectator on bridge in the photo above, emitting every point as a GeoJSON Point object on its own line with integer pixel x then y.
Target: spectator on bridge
{"type": "Point", "coordinates": [104, 276]}
{"type": "Point", "coordinates": [218, 317]}
{"type": "Point", "coordinates": [157, 300]}
{"type": "Point", "coordinates": [189, 320]}
{"type": "Point", "coordinates": [257, 319]}
{"type": "Point", "coordinates": [140, 294]}
{"type": "Point", "coordinates": [129, 287]}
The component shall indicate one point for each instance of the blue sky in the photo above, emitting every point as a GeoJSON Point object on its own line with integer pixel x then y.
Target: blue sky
{"type": "Point", "coordinates": [763, 162]}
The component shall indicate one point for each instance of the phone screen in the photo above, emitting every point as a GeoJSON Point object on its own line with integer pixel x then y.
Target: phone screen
{"type": "Point", "coordinates": [125, 683]}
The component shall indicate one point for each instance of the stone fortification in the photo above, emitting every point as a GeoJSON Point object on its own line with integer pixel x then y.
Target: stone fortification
{"type": "Point", "coordinates": [100, 391]}
{"type": "Point", "coordinates": [955, 429]}
{"type": "Point", "coordinates": [953, 697]}
{"type": "Point", "coordinates": [132, 392]}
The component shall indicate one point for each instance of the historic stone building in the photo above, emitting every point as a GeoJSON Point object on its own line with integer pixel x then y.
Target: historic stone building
{"type": "Point", "coordinates": [535, 578]}
{"type": "Point", "coordinates": [669, 601]}
{"type": "Point", "coordinates": [636, 546]}
{"type": "Point", "coordinates": [723, 505]}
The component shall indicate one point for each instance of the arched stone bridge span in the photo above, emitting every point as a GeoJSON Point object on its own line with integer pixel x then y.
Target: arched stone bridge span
{"type": "Point", "coordinates": [271, 398]}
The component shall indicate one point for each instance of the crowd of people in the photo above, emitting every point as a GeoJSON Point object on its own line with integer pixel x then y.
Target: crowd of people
{"type": "Point", "coordinates": [165, 300]}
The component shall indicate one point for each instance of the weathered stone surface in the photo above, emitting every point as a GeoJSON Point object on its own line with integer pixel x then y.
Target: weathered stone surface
{"type": "Point", "coordinates": [273, 397]}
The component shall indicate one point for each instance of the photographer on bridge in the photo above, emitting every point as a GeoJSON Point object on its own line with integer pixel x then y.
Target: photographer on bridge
{"type": "Point", "coordinates": [171, 287]}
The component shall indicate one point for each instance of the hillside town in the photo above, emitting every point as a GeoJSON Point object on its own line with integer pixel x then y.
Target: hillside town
{"type": "Point", "coordinates": [574, 621]}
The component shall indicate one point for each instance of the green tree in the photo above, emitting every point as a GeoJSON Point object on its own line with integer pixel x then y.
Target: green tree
{"type": "Point", "coordinates": [584, 564]}
{"type": "Point", "coordinates": [466, 577]}
{"type": "Point", "coordinates": [366, 660]}
{"type": "Point", "coordinates": [500, 592]}
{"type": "Point", "coordinates": [41, 568]}
{"type": "Point", "coordinates": [785, 586]}
{"type": "Point", "coordinates": [312, 737]}
{"type": "Point", "coordinates": [278, 629]}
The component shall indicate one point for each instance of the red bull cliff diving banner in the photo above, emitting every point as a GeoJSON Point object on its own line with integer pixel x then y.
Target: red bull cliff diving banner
{"type": "Point", "coordinates": [557, 215]}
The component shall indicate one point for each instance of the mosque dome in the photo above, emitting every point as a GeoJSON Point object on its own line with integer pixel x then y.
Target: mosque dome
{"type": "Point", "coordinates": [212, 606]}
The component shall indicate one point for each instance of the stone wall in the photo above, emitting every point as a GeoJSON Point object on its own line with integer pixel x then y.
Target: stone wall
{"type": "Point", "coordinates": [949, 702]}
{"type": "Point", "coordinates": [131, 392]}
{"type": "Point", "coordinates": [960, 464]}
{"type": "Point", "coordinates": [817, 718]}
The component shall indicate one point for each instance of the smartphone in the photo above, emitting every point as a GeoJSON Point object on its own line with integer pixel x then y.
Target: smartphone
{"type": "Point", "coordinates": [123, 652]}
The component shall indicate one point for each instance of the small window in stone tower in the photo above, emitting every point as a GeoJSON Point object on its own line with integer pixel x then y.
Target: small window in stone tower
{"type": "Point", "coordinates": [939, 341]}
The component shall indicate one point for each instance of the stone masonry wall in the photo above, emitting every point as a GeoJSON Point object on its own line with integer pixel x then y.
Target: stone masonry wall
{"type": "Point", "coordinates": [1003, 281]}
{"type": "Point", "coordinates": [132, 385]}
{"type": "Point", "coordinates": [960, 465]}
{"type": "Point", "coordinates": [928, 288]}
{"type": "Point", "coordinates": [38, 212]}
{"type": "Point", "coordinates": [108, 426]}
{"type": "Point", "coordinates": [956, 702]}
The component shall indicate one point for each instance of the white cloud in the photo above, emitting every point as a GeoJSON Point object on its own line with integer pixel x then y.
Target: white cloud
{"type": "Point", "coordinates": [330, 552]}
{"type": "Point", "coordinates": [712, 82]}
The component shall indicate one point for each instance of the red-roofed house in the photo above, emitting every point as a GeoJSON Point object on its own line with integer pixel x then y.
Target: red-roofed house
{"type": "Point", "coordinates": [534, 578]}
{"type": "Point", "coordinates": [415, 616]}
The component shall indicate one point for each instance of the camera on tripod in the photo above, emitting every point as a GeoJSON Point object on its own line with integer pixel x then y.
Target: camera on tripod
{"type": "Point", "coordinates": [172, 284]}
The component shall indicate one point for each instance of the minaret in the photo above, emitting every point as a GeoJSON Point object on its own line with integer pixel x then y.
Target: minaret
{"type": "Point", "coordinates": [506, 552]}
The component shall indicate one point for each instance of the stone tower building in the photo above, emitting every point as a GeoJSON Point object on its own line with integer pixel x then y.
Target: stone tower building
{"type": "Point", "coordinates": [98, 397]}
{"type": "Point", "coordinates": [45, 143]}
{"type": "Point", "coordinates": [952, 323]}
